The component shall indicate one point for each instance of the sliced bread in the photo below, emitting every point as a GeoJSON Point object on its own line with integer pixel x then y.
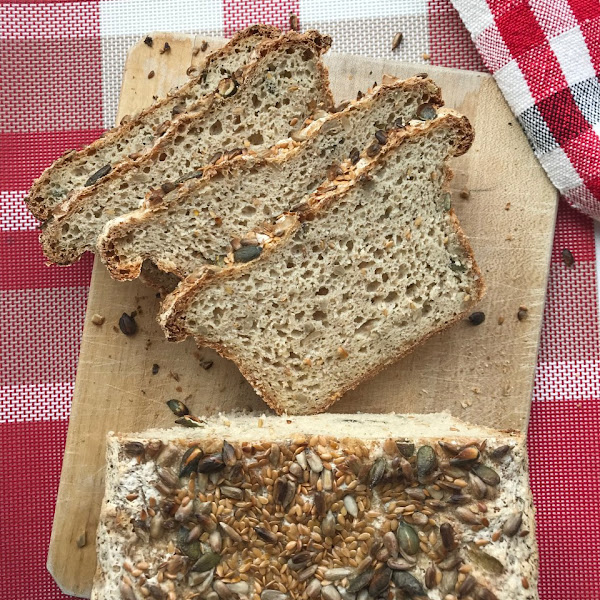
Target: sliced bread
{"type": "Point", "coordinates": [77, 169]}
{"type": "Point", "coordinates": [374, 265]}
{"type": "Point", "coordinates": [281, 508]}
{"type": "Point", "coordinates": [287, 81]}
{"type": "Point", "coordinates": [194, 225]}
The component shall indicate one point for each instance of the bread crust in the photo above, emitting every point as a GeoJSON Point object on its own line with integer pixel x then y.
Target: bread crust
{"type": "Point", "coordinates": [37, 203]}
{"type": "Point", "coordinates": [178, 302]}
{"type": "Point", "coordinates": [51, 230]}
{"type": "Point", "coordinates": [122, 226]}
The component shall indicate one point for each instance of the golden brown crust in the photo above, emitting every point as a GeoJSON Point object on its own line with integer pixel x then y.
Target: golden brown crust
{"type": "Point", "coordinates": [37, 203]}
{"type": "Point", "coordinates": [51, 230]}
{"type": "Point", "coordinates": [123, 226]}
{"type": "Point", "coordinates": [176, 304]}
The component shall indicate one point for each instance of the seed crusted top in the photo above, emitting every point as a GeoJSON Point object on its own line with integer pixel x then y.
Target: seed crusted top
{"type": "Point", "coordinates": [318, 517]}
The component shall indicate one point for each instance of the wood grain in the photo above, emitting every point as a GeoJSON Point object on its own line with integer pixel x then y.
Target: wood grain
{"type": "Point", "coordinates": [481, 374]}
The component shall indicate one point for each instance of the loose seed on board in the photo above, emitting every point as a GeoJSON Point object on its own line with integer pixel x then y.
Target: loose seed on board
{"type": "Point", "coordinates": [127, 324]}
{"type": "Point", "coordinates": [477, 318]}
{"type": "Point", "coordinates": [567, 258]}
{"type": "Point", "coordinates": [397, 40]}
{"type": "Point", "coordinates": [178, 408]}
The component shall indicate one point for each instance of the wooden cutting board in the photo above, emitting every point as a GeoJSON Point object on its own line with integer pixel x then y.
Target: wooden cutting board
{"type": "Point", "coordinates": [481, 374]}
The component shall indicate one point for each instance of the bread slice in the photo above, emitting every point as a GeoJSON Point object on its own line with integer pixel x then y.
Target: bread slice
{"type": "Point", "coordinates": [75, 168]}
{"type": "Point", "coordinates": [374, 265]}
{"type": "Point", "coordinates": [194, 226]}
{"type": "Point", "coordinates": [287, 81]}
{"type": "Point", "coordinates": [421, 504]}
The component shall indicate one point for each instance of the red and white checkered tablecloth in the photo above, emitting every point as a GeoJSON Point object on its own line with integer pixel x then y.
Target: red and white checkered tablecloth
{"type": "Point", "coordinates": [60, 71]}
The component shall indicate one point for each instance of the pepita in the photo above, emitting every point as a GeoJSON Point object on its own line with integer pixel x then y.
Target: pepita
{"type": "Point", "coordinates": [486, 474]}
{"type": "Point", "coordinates": [178, 408]}
{"type": "Point", "coordinates": [377, 471]}
{"type": "Point", "coordinates": [206, 562]}
{"type": "Point", "coordinates": [426, 462]}
{"type": "Point", "coordinates": [408, 540]}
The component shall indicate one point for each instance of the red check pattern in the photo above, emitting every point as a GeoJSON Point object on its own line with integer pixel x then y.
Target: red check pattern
{"type": "Point", "coordinates": [545, 55]}
{"type": "Point", "coordinates": [60, 66]}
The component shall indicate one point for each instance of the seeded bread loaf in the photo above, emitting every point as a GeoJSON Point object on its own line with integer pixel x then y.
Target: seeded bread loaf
{"type": "Point", "coordinates": [276, 508]}
{"type": "Point", "coordinates": [375, 264]}
{"type": "Point", "coordinates": [287, 81]}
{"type": "Point", "coordinates": [75, 170]}
{"type": "Point", "coordinates": [194, 225]}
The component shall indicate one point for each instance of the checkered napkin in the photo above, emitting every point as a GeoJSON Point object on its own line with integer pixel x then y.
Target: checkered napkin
{"type": "Point", "coordinates": [60, 72]}
{"type": "Point", "coordinates": [545, 56]}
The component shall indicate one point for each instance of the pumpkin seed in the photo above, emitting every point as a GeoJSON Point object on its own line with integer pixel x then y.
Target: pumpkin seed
{"type": "Point", "coordinates": [206, 562]}
{"type": "Point", "coordinates": [178, 408]}
{"type": "Point", "coordinates": [191, 549]}
{"type": "Point", "coordinates": [426, 462]}
{"type": "Point", "coordinates": [406, 448]}
{"type": "Point", "coordinates": [486, 474]}
{"type": "Point", "coordinates": [246, 254]}
{"type": "Point", "coordinates": [408, 583]}
{"type": "Point", "coordinates": [408, 540]}
{"type": "Point", "coordinates": [190, 421]}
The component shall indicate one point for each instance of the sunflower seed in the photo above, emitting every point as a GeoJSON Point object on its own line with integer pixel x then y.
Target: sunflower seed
{"type": "Point", "coordinates": [313, 589]}
{"type": "Point", "coordinates": [426, 462]}
{"type": "Point", "coordinates": [134, 448]}
{"type": "Point", "coordinates": [513, 524]}
{"type": "Point", "coordinates": [380, 582]}
{"type": "Point", "coordinates": [406, 469]}
{"type": "Point", "coordinates": [362, 595]}
{"type": "Point", "coordinates": [329, 592]}
{"type": "Point", "coordinates": [231, 533]}
{"type": "Point", "coordinates": [228, 454]}
{"type": "Point", "coordinates": [381, 137]}
{"type": "Point", "coordinates": [232, 492]}
{"type": "Point", "coordinates": [156, 591]}
{"type": "Point", "coordinates": [215, 541]}
{"type": "Point", "coordinates": [450, 562]}
{"type": "Point", "coordinates": [486, 474]}
{"type": "Point", "coordinates": [211, 463]}
{"type": "Point", "coordinates": [467, 586]}
{"type": "Point", "coordinates": [351, 506]}
{"type": "Point", "coordinates": [415, 493]}
{"type": "Point", "coordinates": [223, 591]}
{"type": "Point", "coordinates": [273, 595]}
{"type": "Point", "coordinates": [206, 562]}
{"type": "Point", "coordinates": [299, 560]}
{"type": "Point", "coordinates": [397, 40]}
{"type": "Point", "coordinates": [373, 150]}
{"type": "Point", "coordinates": [266, 535]}
{"type": "Point", "coordinates": [431, 577]}
{"type": "Point", "coordinates": [290, 493]}
{"type": "Point", "coordinates": [274, 455]}
{"type": "Point", "coordinates": [337, 574]}
{"type": "Point", "coordinates": [500, 452]}
{"type": "Point", "coordinates": [126, 591]}
{"type": "Point", "coordinates": [327, 477]}
{"type": "Point", "coordinates": [377, 471]}
{"type": "Point", "coordinates": [447, 533]}
{"type": "Point", "coordinates": [101, 172]}
{"type": "Point", "coordinates": [301, 458]}
{"type": "Point", "coordinates": [482, 593]}
{"type": "Point", "coordinates": [319, 501]}
{"type": "Point", "coordinates": [178, 408]}
{"type": "Point", "coordinates": [296, 470]}
{"type": "Point", "coordinates": [448, 583]}
{"type": "Point", "coordinates": [313, 460]}
{"type": "Point", "coordinates": [408, 583]}
{"type": "Point", "coordinates": [420, 518]}
{"type": "Point", "coordinates": [184, 512]}
{"type": "Point", "coordinates": [307, 573]}
{"type": "Point", "coordinates": [190, 460]}
{"type": "Point", "coordinates": [391, 543]}
{"type": "Point", "coordinates": [328, 525]}
{"type": "Point", "coordinates": [477, 487]}
{"type": "Point", "coordinates": [466, 456]}
{"type": "Point", "coordinates": [408, 540]}
{"type": "Point", "coordinates": [467, 516]}
{"type": "Point", "coordinates": [400, 564]}
{"type": "Point", "coordinates": [359, 582]}
{"type": "Point", "coordinates": [354, 156]}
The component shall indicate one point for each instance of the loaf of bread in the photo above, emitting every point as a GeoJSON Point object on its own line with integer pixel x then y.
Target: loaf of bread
{"type": "Point", "coordinates": [282, 508]}
{"type": "Point", "coordinates": [184, 230]}
{"type": "Point", "coordinates": [75, 170]}
{"type": "Point", "coordinates": [251, 112]}
{"type": "Point", "coordinates": [373, 265]}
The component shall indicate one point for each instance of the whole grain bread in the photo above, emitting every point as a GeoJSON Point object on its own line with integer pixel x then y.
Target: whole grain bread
{"type": "Point", "coordinates": [404, 502]}
{"type": "Point", "coordinates": [374, 265]}
{"type": "Point", "coordinates": [194, 225]}
{"type": "Point", "coordinates": [75, 169]}
{"type": "Point", "coordinates": [249, 113]}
